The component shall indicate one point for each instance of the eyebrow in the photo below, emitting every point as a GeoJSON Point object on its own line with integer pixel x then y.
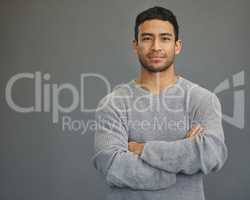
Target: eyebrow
{"type": "Point", "coordinates": [162, 34]}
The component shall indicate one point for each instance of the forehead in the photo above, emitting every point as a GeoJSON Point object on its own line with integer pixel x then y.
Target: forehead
{"type": "Point", "coordinates": [156, 26]}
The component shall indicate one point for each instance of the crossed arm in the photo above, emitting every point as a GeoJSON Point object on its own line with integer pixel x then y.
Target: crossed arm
{"type": "Point", "coordinates": [206, 152]}
{"type": "Point", "coordinates": [154, 164]}
{"type": "Point", "coordinates": [120, 167]}
{"type": "Point", "coordinates": [138, 148]}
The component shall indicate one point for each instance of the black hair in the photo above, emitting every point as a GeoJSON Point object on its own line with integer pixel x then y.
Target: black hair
{"type": "Point", "coordinates": [157, 13]}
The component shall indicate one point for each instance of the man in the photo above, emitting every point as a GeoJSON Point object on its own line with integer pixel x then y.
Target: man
{"type": "Point", "coordinates": [159, 134]}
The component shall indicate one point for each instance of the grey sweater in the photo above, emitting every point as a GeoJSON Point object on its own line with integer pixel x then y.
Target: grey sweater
{"type": "Point", "coordinates": [171, 166]}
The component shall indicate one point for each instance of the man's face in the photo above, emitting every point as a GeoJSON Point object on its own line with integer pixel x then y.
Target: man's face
{"type": "Point", "coordinates": [156, 46]}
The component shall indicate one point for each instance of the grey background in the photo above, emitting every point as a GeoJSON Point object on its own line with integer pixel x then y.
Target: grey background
{"type": "Point", "coordinates": [68, 38]}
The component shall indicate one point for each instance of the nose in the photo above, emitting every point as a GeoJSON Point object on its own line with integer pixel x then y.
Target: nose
{"type": "Point", "coordinates": [156, 45]}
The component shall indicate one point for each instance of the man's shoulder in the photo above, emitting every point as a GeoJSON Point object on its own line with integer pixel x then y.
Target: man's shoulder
{"type": "Point", "coordinates": [198, 95]}
{"type": "Point", "coordinates": [195, 90]}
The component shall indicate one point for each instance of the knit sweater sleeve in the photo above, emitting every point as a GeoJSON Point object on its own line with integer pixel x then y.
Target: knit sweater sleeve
{"type": "Point", "coordinates": [204, 153]}
{"type": "Point", "coordinates": [116, 164]}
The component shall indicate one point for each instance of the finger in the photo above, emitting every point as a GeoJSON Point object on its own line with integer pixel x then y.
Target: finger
{"type": "Point", "coordinates": [130, 147]}
{"type": "Point", "coordinates": [193, 133]}
{"type": "Point", "coordinates": [192, 130]}
{"type": "Point", "coordinates": [196, 131]}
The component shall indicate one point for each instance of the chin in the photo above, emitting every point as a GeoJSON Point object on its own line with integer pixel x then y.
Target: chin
{"type": "Point", "coordinates": [155, 69]}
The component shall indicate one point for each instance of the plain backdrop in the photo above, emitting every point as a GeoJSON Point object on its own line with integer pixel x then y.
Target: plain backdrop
{"type": "Point", "coordinates": [40, 160]}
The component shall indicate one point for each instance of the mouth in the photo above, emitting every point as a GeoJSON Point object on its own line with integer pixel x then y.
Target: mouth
{"type": "Point", "coordinates": [156, 58]}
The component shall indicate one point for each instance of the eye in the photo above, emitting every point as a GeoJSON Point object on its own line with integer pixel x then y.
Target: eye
{"type": "Point", "coordinates": [166, 39]}
{"type": "Point", "coordinates": [146, 38]}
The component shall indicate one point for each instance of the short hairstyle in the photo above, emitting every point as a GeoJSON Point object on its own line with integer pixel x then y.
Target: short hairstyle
{"type": "Point", "coordinates": [157, 13]}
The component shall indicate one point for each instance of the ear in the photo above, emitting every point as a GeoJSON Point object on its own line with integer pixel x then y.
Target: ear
{"type": "Point", "coordinates": [178, 47]}
{"type": "Point", "coordinates": [135, 46]}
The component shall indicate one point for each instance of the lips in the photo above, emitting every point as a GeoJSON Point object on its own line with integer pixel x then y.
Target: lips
{"type": "Point", "coordinates": [156, 58]}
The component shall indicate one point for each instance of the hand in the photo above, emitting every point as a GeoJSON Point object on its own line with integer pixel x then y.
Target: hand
{"type": "Point", "coordinates": [135, 147]}
{"type": "Point", "coordinates": [195, 130]}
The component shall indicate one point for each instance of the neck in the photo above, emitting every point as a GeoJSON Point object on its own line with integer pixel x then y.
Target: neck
{"type": "Point", "coordinates": [156, 82]}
